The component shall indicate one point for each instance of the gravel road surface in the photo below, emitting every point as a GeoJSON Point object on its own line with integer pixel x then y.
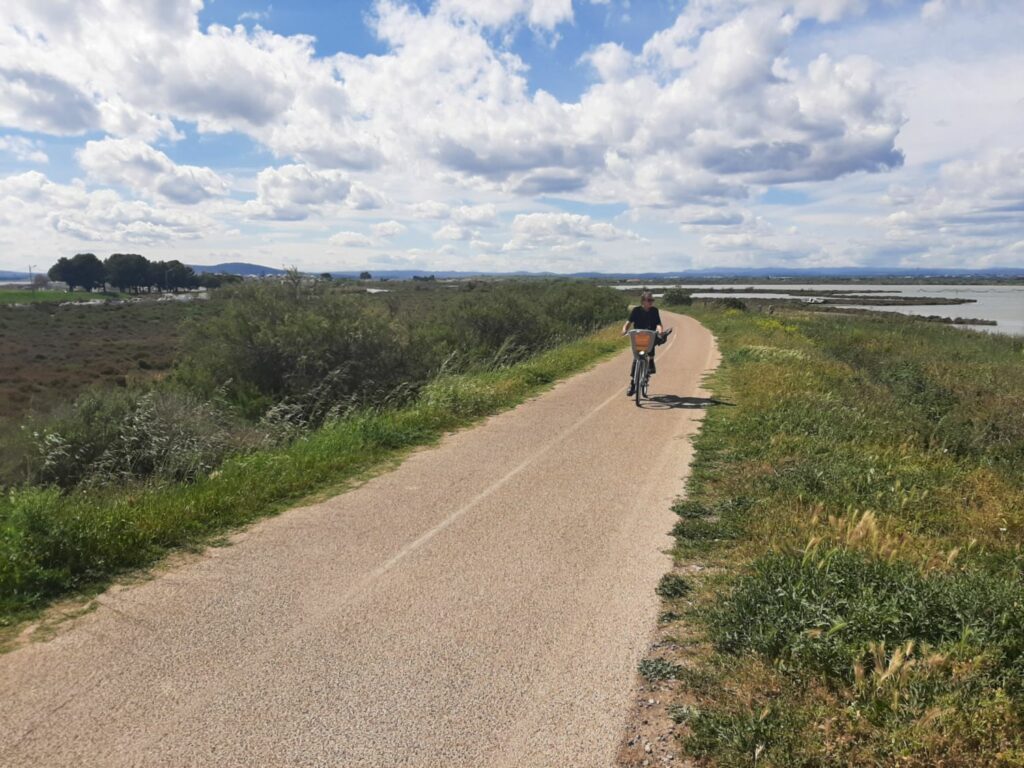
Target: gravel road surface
{"type": "Point", "coordinates": [483, 604]}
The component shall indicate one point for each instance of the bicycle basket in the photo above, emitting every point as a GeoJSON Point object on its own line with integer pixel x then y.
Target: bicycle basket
{"type": "Point", "coordinates": [642, 341]}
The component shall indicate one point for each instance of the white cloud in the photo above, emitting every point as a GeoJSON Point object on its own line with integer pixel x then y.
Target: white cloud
{"type": "Point", "coordinates": [475, 215]}
{"type": "Point", "coordinates": [973, 206]}
{"type": "Point", "coordinates": [557, 230]}
{"type": "Point", "coordinates": [148, 171]}
{"type": "Point", "coordinates": [31, 202]}
{"type": "Point", "coordinates": [543, 14]}
{"type": "Point", "coordinates": [453, 232]}
{"type": "Point", "coordinates": [351, 240]}
{"type": "Point", "coordinates": [430, 209]}
{"type": "Point", "coordinates": [294, 192]}
{"type": "Point", "coordinates": [611, 61]}
{"type": "Point", "coordinates": [697, 218]}
{"type": "Point", "coordinates": [256, 15]}
{"type": "Point", "coordinates": [23, 150]}
{"type": "Point", "coordinates": [727, 104]}
{"type": "Point", "coordinates": [388, 229]}
{"type": "Point", "coordinates": [933, 10]}
{"type": "Point", "coordinates": [364, 198]}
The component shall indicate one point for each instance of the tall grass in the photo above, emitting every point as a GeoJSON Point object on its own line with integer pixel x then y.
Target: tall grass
{"type": "Point", "coordinates": [863, 499]}
{"type": "Point", "coordinates": [53, 543]}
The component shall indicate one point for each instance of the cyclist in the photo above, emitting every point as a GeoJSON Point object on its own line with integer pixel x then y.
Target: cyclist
{"type": "Point", "coordinates": [645, 317]}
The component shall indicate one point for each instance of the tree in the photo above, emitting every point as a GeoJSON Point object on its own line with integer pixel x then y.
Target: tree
{"type": "Point", "coordinates": [365, 276]}
{"type": "Point", "coordinates": [217, 279]}
{"type": "Point", "coordinates": [127, 271]}
{"type": "Point", "coordinates": [83, 269]}
{"type": "Point", "coordinates": [61, 272]}
{"type": "Point", "coordinates": [89, 270]}
{"type": "Point", "coordinates": [40, 281]}
{"type": "Point", "coordinates": [172, 275]}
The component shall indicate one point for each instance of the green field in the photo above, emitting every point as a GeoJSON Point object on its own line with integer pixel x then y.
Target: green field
{"type": "Point", "coordinates": [856, 519]}
{"type": "Point", "coordinates": [29, 297]}
{"type": "Point", "coordinates": [18, 296]}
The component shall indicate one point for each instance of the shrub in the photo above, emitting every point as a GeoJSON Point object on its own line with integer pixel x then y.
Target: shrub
{"type": "Point", "coordinates": [688, 508]}
{"type": "Point", "coordinates": [72, 442]}
{"type": "Point", "coordinates": [659, 669]}
{"type": "Point", "coordinates": [319, 351]}
{"type": "Point", "coordinates": [294, 341]}
{"type": "Point", "coordinates": [673, 586]}
{"type": "Point", "coordinates": [502, 324]}
{"type": "Point", "coordinates": [113, 436]}
{"type": "Point", "coordinates": [678, 297]}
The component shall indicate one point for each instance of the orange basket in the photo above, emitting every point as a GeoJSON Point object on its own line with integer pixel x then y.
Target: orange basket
{"type": "Point", "coordinates": [642, 341]}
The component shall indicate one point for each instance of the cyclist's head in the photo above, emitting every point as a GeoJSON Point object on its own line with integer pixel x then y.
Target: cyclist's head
{"type": "Point", "coordinates": [646, 297]}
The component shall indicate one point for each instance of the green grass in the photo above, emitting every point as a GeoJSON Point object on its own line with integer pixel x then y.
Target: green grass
{"type": "Point", "coordinates": [54, 545]}
{"type": "Point", "coordinates": [11, 296]}
{"type": "Point", "coordinates": [28, 297]}
{"type": "Point", "coordinates": [862, 501]}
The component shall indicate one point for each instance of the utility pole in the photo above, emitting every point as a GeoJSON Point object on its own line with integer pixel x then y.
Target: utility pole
{"type": "Point", "coordinates": [31, 279]}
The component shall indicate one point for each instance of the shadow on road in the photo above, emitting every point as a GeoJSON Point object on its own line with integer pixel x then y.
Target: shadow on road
{"type": "Point", "coordinates": [665, 402]}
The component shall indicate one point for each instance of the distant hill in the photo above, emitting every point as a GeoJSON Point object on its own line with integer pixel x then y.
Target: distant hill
{"type": "Point", "coordinates": [763, 273]}
{"type": "Point", "coordinates": [237, 268]}
{"type": "Point", "coordinates": [13, 276]}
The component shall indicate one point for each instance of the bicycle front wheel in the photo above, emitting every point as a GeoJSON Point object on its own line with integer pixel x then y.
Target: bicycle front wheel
{"type": "Point", "coordinates": [640, 390]}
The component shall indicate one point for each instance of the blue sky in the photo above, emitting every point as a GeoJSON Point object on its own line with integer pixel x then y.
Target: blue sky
{"type": "Point", "coordinates": [563, 135]}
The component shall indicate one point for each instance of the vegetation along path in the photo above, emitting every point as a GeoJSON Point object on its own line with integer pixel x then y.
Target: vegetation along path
{"type": "Point", "coordinates": [485, 603]}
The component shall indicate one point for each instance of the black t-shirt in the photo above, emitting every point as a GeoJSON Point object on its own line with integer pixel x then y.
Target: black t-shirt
{"type": "Point", "coordinates": [645, 319]}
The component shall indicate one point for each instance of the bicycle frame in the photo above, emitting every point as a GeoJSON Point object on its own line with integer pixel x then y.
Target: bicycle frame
{"type": "Point", "coordinates": [642, 343]}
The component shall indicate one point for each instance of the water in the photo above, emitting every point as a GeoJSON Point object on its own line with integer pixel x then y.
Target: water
{"type": "Point", "coordinates": [1002, 303]}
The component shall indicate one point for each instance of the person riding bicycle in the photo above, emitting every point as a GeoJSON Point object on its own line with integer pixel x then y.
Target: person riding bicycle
{"type": "Point", "coordinates": [645, 317]}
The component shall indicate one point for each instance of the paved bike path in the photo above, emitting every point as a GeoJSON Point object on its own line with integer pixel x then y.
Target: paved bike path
{"type": "Point", "coordinates": [485, 603]}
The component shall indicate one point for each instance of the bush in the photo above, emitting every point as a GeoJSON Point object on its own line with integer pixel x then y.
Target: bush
{"type": "Point", "coordinates": [312, 351]}
{"type": "Point", "coordinates": [677, 297]}
{"type": "Point", "coordinates": [673, 586]}
{"type": "Point", "coordinates": [113, 436]}
{"type": "Point", "coordinates": [501, 324]}
{"type": "Point", "coordinates": [294, 341]}
{"type": "Point", "coordinates": [72, 442]}
{"type": "Point", "coordinates": [659, 669]}
{"type": "Point", "coordinates": [729, 303]}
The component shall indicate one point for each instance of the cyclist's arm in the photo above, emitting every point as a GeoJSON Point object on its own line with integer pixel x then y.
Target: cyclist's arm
{"type": "Point", "coordinates": [625, 328]}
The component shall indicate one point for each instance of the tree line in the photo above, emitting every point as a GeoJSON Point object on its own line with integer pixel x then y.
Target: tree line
{"type": "Point", "coordinates": [131, 272]}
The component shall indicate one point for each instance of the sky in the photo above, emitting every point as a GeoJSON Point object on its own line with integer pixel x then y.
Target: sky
{"type": "Point", "coordinates": [505, 135]}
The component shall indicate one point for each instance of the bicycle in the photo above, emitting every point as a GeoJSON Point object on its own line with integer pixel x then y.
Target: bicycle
{"type": "Point", "coordinates": [643, 343]}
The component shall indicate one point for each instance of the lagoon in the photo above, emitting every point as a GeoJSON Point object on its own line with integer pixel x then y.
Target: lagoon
{"type": "Point", "coordinates": [1002, 303]}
